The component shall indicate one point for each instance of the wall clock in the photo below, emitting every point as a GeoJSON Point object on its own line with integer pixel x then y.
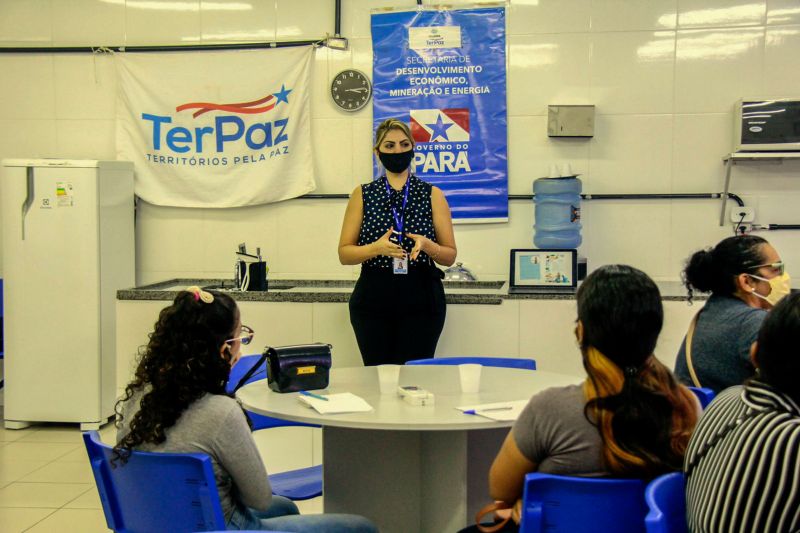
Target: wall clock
{"type": "Point", "coordinates": [351, 89]}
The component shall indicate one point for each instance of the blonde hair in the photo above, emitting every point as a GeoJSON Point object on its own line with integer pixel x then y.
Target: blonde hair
{"type": "Point", "coordinates": [605, 383]}
{"type": "Point", "coordinates": [388, 125]}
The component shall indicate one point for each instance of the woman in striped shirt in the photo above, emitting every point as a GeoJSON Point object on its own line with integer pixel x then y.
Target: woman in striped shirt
{"type": "Point", "coordinates": [743, 460]}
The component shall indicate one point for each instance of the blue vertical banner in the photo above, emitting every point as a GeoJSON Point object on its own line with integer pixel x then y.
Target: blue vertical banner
{"type": "Point", "coordinates": [444, 73]}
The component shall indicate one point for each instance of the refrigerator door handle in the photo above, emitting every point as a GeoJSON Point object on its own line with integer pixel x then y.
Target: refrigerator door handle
{"type": "Point", "coordinates": [26, 205]}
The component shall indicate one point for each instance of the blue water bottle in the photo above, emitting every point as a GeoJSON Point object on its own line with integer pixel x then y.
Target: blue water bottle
{"type": "Point", "coordinates": [558, 213]}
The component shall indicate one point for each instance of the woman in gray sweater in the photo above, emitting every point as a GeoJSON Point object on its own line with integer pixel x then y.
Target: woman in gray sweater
{"type": "Point", "coordinates": [629, 418]}
{"type": "Point", "coordinates": [177, 403]}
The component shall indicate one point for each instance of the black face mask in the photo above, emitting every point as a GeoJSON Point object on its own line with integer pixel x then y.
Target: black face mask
{"type": "Point", "coordinates": [396, 162]}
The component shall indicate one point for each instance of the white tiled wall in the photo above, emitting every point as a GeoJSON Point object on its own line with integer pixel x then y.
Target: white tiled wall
{"type": "Point", "coordinates": [664, 75]}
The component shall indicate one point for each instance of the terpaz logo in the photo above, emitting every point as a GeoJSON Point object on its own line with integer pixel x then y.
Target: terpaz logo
{"type": "Point", "coordinates": [227, 129]}
{"type": "Point", "coordinates": [440, 125]}
{"type": "Point", "coordinates": [427, 37]}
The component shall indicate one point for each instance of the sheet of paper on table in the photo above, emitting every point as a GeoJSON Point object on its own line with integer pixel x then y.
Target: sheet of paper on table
{"type": "Point", "coordinates": [500, 411]}
{"type": "Point", "coordinates": [345, 402]}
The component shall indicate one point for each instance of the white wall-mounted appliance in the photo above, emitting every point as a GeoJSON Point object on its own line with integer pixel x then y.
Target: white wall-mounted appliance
{"type": "Point", "coordinates": [68, 246]}
{"type": "Point", "coordinates": [767, 125]}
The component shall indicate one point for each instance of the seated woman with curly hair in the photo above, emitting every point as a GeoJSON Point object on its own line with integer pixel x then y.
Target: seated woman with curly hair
{"type": "Point", "coordinates": [629, 418]}
{"type": "Point", "coordinates": [177, 403]}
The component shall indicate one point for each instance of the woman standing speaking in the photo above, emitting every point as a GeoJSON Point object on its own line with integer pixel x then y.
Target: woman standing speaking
{"type": "Point", "coordinates": [397, 227]}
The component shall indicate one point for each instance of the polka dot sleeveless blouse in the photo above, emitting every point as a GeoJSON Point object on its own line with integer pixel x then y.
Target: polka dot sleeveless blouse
{"type": "Point", "coordinates": [378, 217]}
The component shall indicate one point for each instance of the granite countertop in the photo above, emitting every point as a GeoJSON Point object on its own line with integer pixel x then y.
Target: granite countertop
{"type": "Point", "coordinates": [338, 291]}
{"type": "Point", "coordinates": [309, 290]}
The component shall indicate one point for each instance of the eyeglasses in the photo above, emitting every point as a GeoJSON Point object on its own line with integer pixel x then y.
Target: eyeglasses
{"type": "Point", "coordinates": [246, 338]}
{"type": "Point", "coordinates": [778, 266]}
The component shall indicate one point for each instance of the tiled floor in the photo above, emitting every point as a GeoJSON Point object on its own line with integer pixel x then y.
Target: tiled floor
{"type": "Point", "coordinates": [46, 484]}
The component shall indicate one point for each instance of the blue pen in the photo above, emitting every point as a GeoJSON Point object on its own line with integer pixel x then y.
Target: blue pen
{"type": "Point", "coordinates": [317, 396]}
{"type": "Point", "coordinates": [472, 411]}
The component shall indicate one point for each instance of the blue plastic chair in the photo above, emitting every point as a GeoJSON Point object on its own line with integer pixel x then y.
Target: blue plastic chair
{"type": "Point", "coordinates": [505, 362]}
{"type": "Point", "coordinates": [704, 395]}
{"type": "Point", "coordinates": [578, 504]}
{"type": "Point", "coordinates": [237, 372]}
{"type": "Point", "coordinates": [173, 492]}
{"type": "Point", "coordinates": [299, 484]}
{"type": "Point", "coordinates": [666, 498]}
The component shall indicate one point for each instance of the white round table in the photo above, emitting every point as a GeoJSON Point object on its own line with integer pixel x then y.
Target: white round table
{"type": "Point", "coordinates": [408, 468]}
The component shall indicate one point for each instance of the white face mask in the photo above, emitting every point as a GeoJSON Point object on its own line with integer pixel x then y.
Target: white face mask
{"type": "Point", "coordinates": [779, 286]}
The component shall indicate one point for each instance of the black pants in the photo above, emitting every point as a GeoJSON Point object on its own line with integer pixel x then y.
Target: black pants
{"type": "Point", "coordinates": [397, 317]}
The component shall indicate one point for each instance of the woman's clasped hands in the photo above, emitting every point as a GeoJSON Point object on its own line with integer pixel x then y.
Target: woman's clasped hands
{"type": "Point", "coordinates": [384, 246]}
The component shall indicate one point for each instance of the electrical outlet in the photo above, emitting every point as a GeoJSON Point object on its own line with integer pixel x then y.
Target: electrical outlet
{"type": "Point", "coordinates": [738, 212]}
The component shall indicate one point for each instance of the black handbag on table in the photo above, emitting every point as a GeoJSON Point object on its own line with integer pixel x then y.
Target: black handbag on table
{"type": "Point", "coordinates": [294, 368]}
{"type": "Point", "coordinates": [298, 367]}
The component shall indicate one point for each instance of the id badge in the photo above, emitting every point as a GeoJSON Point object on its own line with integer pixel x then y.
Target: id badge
{"type": "Point", "coordinates": [400, 265]}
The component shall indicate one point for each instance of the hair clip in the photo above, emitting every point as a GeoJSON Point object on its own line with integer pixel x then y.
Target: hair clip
{"type": "Point", "coordinates": [200, 294]}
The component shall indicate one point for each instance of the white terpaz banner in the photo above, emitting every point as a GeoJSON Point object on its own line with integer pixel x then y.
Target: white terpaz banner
{"type": "Point", "coordinates": [216, 129]}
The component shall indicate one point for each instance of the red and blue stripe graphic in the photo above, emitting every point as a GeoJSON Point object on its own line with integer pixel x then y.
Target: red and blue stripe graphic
{"type": "Point", "coordinates": [262, 105]}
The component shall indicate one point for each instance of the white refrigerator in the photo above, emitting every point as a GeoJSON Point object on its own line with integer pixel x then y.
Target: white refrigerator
{"type": "Point", "coordinates": [68, 246]}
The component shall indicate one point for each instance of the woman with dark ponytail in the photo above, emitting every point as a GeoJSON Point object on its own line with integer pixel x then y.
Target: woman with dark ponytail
{"type": "Point", "coordinates": [629, 418]}
{"type": "Point", "coordinates": [746, 277]}
{"type": "Point", "coordinates": [177, 403]}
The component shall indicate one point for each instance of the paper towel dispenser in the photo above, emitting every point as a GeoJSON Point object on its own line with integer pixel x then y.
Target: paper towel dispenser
{"type": "Point", "coordinates": [570, 121]}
